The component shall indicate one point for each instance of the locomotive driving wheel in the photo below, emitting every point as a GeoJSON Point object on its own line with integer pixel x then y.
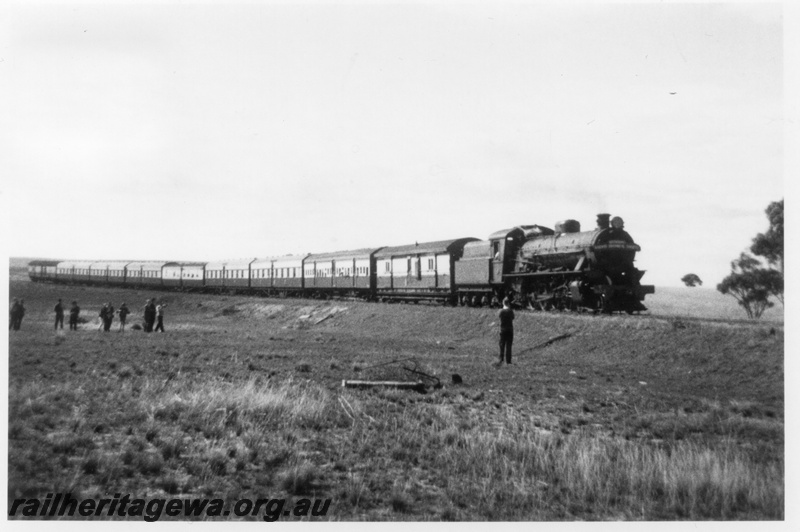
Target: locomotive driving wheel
{"type": "Point", "coordinates": [603, 305]}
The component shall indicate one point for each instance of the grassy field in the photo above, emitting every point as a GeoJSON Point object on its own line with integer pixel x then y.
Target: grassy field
{"type": "Point", "coordinates": [706, 303]}
{"type": "Point", "coordinates": [670, 416]}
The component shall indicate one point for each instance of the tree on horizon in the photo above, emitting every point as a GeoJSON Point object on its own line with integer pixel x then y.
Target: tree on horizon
{"type": "Point", "coordinates": [750, 282]}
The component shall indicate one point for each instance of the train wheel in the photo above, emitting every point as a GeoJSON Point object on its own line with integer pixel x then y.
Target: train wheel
{"type": "Point", "coordinates": [604, 307]}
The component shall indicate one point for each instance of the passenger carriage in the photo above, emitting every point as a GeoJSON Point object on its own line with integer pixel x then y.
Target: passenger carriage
{"type": "Point", "coordinates": [65, 271]}
{"type": "Point", "coordinates": [144, 274]}
{"type": "Point", "coordinates": [229, 275]}
{"type": "Point", "coordinates": [418, 271]}
{"type": "Point", "coordinates": [287, 274]}
{"type": "Point", "coordinates": [111, 272]}
{"type": "Point", "coordinates": [215, 276]}
{"type": "Point", "coordinates": [183, 275]}
{"type": "Point", "coordinates": [340, 273]}
{"type": "Point", "coordinates": [261, 273]}
{"type": "Point", "coordinates": [133, 274]}
{"type": "Point", "coordinates": [81, 272]}
{"type": "Point", "coordinates": [193, 275]}
{"type": "Point", "coordinates": [43, 270]}
{"type": "Point", "coordinates": [98, 272]}
{"type": "Point", "coordinates": [237, 274]}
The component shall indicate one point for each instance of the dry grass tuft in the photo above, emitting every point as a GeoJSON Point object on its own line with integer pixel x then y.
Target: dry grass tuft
{"type": "Point", "coordinates": [227, 404]}
{"type": "Point", "coordinates": [298, 479]}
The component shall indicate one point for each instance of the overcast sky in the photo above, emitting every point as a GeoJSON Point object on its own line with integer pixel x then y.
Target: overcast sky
{"type": "Point", "coordinates": [203, 132]}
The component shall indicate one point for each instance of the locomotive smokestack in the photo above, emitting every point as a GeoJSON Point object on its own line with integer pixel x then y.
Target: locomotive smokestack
{"type": "Point", "coordinates": [602, 221]}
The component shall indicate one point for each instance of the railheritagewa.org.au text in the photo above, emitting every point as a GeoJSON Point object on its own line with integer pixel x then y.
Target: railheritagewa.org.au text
{"type": "Point", "coordinates": [64, 505]}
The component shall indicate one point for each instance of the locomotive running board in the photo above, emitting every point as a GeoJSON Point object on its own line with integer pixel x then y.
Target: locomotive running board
{"type": "Point", "coordinates": [541, 274]}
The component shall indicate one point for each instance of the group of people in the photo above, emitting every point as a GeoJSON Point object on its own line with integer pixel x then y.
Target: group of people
{"type": "Point", "coordinates": [74, 312]}
{"type": "Point", "coordinates": [107, 316]}
{"type": "Point", "coordinates": [152, 313]}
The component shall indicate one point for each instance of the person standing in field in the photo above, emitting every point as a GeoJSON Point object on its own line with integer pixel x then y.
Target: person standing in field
{"type": "Point", "coordinates": [109, 317]}
{"type": "Point", "coordinates": [103, 312]}
{"type": "Point", "coordinates": [13, 312]}
{"type": "Point", "coordinates": [506, 331]}
{"type": "Point", "coordinates": [20, 315]}
{"type": "Point", "coordinates": [59, 310]}
{"type": "Point", "coordinates": [160, 317]}
{"type": "Point", "coordinates": [149, 315]}
{"type": "Point", "coordinates": [74, 312]}
{"type": "Point", "coordinates": [123, 315]}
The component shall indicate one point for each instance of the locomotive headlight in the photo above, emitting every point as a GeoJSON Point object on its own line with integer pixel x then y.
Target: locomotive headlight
{"type": "Point", "coordinates": [617, 222]}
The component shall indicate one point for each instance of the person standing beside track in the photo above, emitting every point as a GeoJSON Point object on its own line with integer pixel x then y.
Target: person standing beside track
{"type": "Point", "coordinates": [506, 331]}
{"type": "Point", "coordinates": [19, 315]}
{"type": "Point", "coordinates": [160, 317]}
{"type": "Point", "coordinates": [123, 315]}
{"type": "Point", "coordinates": [149, 315]}
{"type": "Point", "coordinates": [103, 319]}
{"type": "Point", "coordinates": [59, 310]}
{"type": "Point", "coordinates": [13, 312]}
{"type": "Point", "coordinates": [74, 312]}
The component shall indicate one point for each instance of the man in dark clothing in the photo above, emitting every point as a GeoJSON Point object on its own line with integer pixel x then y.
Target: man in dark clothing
{"type": "Point", "coordinates": [103, 312]}
{"type": "Point", "coordinates": [506, 331]}
{"type": "Point", "coordinates": [74, 312]}
{"type": "Point", "coordinates": [59, 310]}
{"type": "Point", "coordinates": [13, 312]}
{"type": "Point", "coordinates": [149, 315]}
{"type": "Point", "coordinates": [19, 314]}
{"type": "Point", "coordinates": [109, 317]}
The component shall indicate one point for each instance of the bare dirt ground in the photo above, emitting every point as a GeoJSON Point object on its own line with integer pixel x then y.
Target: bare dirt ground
{"type": "Point", "coordinates": [652, 382]}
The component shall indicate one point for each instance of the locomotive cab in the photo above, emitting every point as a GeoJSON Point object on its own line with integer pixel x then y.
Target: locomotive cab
{"type": "Point", "coordinates": [503, 247]}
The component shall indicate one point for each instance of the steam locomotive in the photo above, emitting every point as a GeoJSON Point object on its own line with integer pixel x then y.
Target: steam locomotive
{"type": "Point", "coordinates": [561, 268]}
{"type": "Point", "coordinates": [534, 266]}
